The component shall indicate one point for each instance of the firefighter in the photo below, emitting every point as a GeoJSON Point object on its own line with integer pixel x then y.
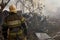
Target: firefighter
{"type": "Point", "coordinates": [15, 25]}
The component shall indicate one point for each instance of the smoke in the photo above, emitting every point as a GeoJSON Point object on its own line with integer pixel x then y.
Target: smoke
{"type": "Point", "coordinates": [52, 7]}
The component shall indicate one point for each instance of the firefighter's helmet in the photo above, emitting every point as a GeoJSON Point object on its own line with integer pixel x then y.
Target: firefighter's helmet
{"type": "Point", "coordinates": [12, 8]}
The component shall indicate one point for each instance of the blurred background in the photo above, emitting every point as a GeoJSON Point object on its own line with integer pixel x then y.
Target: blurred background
{"type": "Point", "coordinates": [43, 17]}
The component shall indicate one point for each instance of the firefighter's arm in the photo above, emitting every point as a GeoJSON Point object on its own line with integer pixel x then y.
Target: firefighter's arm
{"type": "Point", "coordinates": [24, 25]}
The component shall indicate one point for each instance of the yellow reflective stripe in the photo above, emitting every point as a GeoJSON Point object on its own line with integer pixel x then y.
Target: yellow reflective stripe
{"type": "Point", "coordinates": [12, 26]}
{"type": "Point", "coordinates": [13, 22]}
{"type": "Point", "coordinates": [19, 33]}
{"type": "Point", "coordinates": [23, 19]}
